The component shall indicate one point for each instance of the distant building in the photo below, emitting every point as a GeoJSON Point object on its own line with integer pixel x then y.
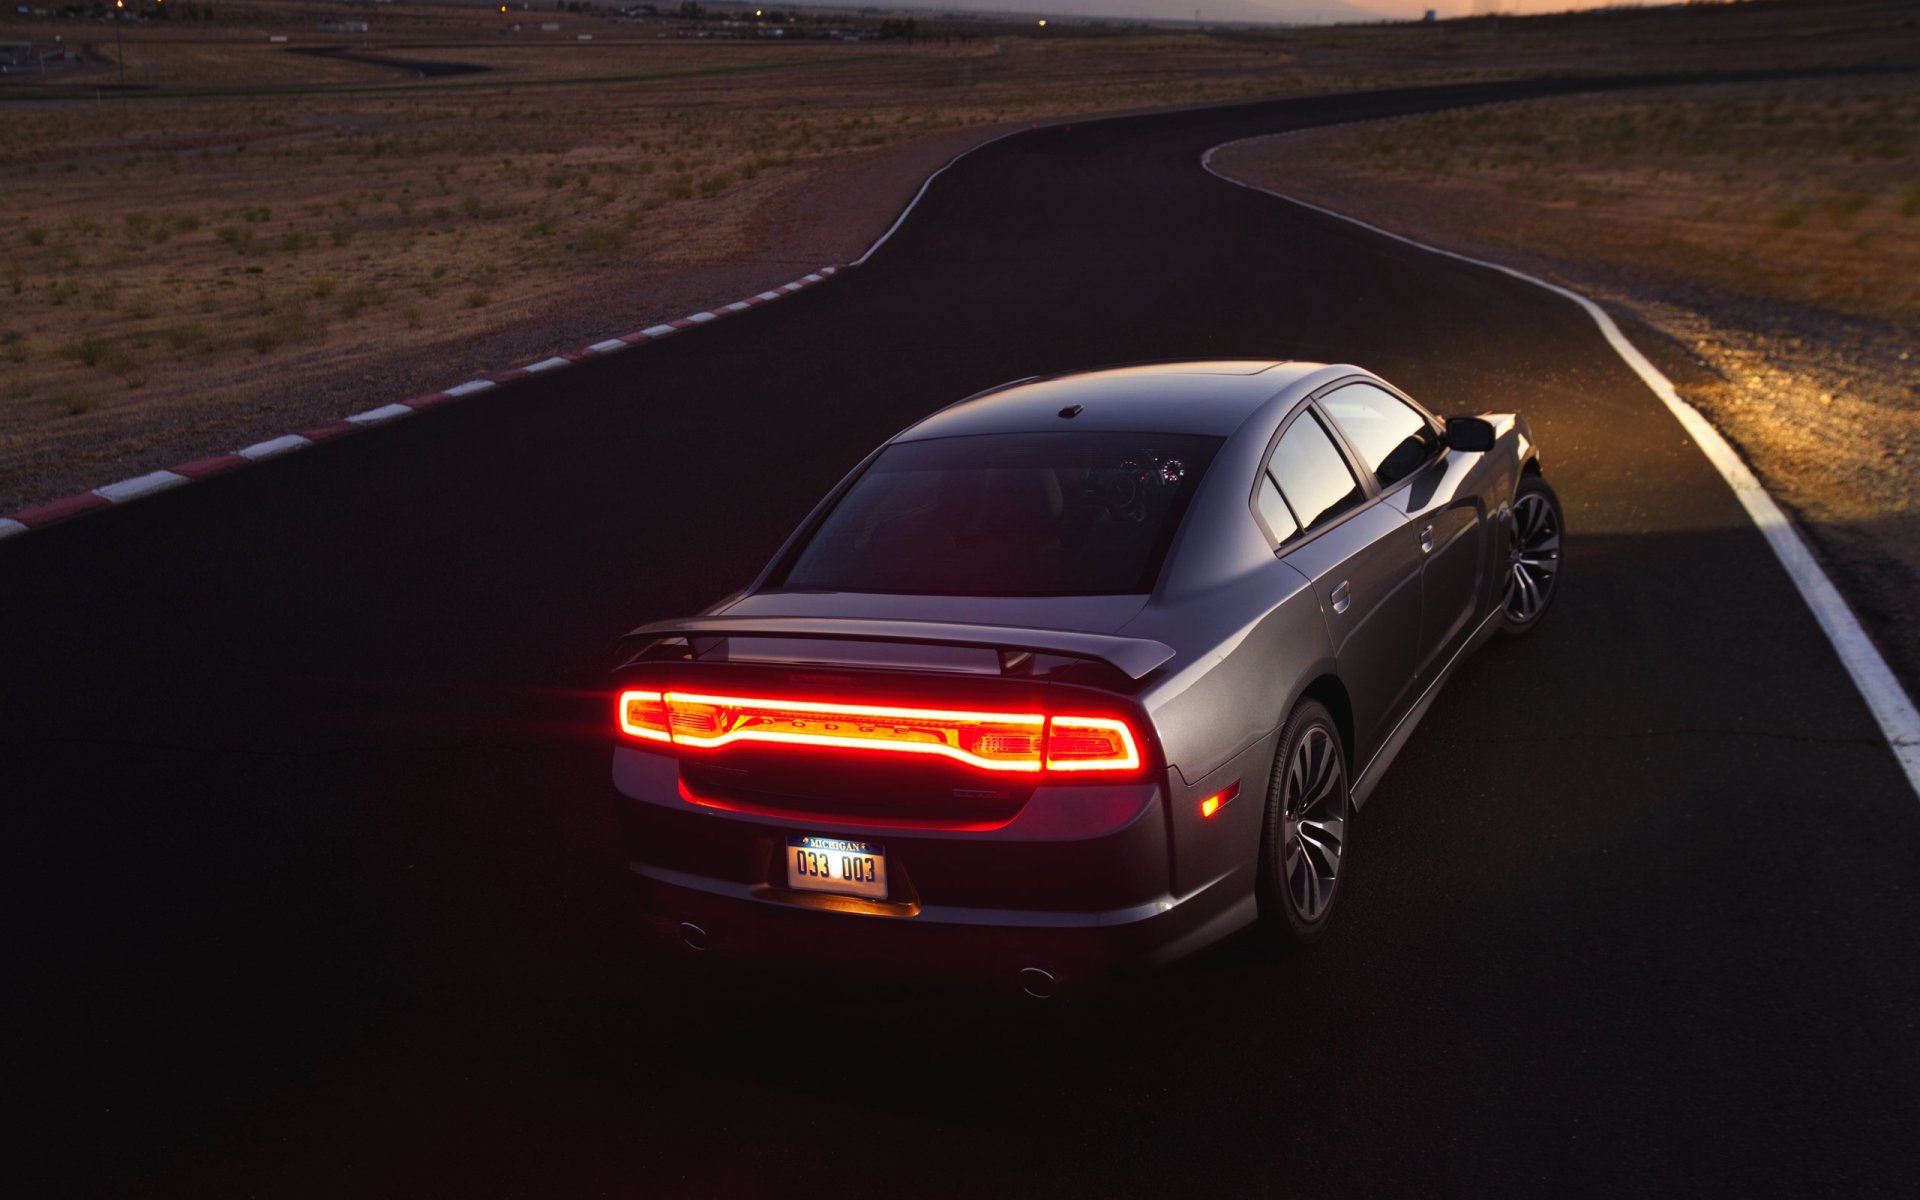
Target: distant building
{"type": "Point", "coordinates": [342, 27]}
{"type": "Point", "coordinates": [15, 54]}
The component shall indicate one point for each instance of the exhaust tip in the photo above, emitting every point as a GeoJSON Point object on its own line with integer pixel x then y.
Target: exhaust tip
{"type": "Point", "coordinates": [693, 936]}
{"type": "Point", "coordinates": [1037, 983]}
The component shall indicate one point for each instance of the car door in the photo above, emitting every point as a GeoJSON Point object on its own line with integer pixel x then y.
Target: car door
{"type": "Point", "coordinates": [1404, 451]}
{"type": "Point", "coordinates": [1364, 564]}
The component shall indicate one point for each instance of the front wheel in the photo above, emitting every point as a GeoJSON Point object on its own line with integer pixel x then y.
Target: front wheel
{"type": "Point", "coordinates": [1303, 844]}
{"type": "Point", "coordinates": [1533, 555]}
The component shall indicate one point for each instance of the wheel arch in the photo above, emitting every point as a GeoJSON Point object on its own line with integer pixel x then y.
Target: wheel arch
{"type": "Point", "coordinates": [1332, 696]}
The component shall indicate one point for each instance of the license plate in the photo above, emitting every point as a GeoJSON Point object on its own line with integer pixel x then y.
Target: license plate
{"type": "Point", "coordinates": [818, 864]}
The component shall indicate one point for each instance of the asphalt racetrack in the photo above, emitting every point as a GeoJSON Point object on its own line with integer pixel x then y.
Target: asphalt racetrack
{"type": "Point", "coordinates": [314, 887]}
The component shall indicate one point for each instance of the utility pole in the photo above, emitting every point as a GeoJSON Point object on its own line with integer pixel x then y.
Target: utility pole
{"type": "Point", "coordinates": [119, 51]}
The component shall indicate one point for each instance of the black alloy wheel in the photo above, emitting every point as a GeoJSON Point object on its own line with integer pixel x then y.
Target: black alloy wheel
{"type": "Point", "coordinates": [1533, 555]}
{"type": "Point", "coordinates": [1308, 828]}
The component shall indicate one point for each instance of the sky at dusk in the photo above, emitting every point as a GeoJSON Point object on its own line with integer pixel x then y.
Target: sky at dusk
{"type": "Point", "coordinates": [1311, 11]}
{"type": "Point", "coordinates": [1458, 8]}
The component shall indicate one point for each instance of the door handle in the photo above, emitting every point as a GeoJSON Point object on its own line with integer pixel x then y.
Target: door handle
{"type": "Point", "coordinates": [1426, 540]}
{"type": "Point", "coordinates": [1342, 597]}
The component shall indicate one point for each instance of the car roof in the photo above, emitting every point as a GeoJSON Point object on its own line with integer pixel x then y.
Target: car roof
{"type": "Point", "coordinates": [1212, 397]}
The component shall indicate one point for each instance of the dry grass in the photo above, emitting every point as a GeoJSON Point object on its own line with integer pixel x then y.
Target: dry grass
{"type": "Point", "coordinates": [168, 261]}
{"type": "Point", "coordinates": [1803, 193]}
{"type": "Point", "coordinates": [158, 254]}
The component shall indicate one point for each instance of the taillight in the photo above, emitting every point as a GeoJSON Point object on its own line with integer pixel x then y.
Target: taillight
{"type": "Point", "coordinates": [644, 715]}
{"type": "Point", "coordinates": [1090, 744]}
{"type": "Point", "coordinates": [991, 741]}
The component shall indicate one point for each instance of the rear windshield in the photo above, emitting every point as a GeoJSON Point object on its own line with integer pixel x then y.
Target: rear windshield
{"type": "Point", "coordinates": [1017, 514]}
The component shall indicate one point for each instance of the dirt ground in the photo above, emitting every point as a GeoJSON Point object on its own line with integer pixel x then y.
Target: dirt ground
{"type": "Point", "coordinates": [1763, 239]}
{"type": "Point", "coordinates": [184, 275]}
{"type": "Point", "coordinates": [251, 238]}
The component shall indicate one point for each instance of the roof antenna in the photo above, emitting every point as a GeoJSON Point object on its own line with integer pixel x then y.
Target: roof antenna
{"type": "Point", "coordinates": [1070, 411]}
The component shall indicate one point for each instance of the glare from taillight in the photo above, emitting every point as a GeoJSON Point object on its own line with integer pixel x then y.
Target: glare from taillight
{"type": "Point", "coordinates": [991, 741]}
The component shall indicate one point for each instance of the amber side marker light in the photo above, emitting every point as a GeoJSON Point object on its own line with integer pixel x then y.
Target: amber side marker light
{"type": "Point", "coordinates": [1211, 804]}
{"type": "Point", "coordinates": [992, 741]}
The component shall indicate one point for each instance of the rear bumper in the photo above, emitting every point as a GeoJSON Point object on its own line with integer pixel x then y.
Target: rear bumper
{"type": "Point", "coordinates": [1076, 885]}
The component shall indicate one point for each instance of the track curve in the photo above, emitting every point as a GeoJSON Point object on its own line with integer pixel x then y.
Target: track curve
{"type": "Point", "coordinates": [312, 844]}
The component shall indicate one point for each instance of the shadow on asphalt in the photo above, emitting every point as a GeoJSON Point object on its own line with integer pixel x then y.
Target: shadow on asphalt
{"type": "Point", "coordinates": [406, 959]}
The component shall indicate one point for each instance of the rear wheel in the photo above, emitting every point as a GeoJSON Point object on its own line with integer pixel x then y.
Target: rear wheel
{"type": "Point", "coordinates": [1533, 555]}
{"type": "Point", "coordinates": [1303, 844]}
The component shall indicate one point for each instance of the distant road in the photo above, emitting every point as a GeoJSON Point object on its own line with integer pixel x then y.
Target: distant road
{"type": "Point", "coordinates": [311, 861]}
{"type": "Point", "coordinates": [424, 67]}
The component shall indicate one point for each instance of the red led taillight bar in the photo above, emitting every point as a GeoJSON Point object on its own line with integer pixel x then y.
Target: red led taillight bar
{"type": "Point", "coordinates": [990, 741]}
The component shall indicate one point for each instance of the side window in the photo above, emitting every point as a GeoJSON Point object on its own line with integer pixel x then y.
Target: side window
{"type": "Point", "coordinates": [1273, 510]}
{"type": "Point", "coordinates": [1392, 439]}
{"type": "Point", "coordinates": [1312, 474]}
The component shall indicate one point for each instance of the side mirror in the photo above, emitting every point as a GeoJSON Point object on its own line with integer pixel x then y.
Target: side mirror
{"type": "Point", "coordinates": [1469, 434]}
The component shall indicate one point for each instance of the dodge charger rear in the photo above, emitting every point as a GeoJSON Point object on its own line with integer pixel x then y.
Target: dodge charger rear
{"type": "Point", "coordinates": [1081, 673]}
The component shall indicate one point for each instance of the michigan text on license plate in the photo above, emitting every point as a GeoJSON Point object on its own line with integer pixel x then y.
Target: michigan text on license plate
{"type": "Point", "coordinates": [818, 864]}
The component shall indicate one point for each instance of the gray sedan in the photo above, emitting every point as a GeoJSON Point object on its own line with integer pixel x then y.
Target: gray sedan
{"type": "Point", "coordinates": [1079, 673]}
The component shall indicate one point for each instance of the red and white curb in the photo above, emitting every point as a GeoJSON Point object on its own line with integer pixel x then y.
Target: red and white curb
{"type": "Point", "coordinates": [111, 494]}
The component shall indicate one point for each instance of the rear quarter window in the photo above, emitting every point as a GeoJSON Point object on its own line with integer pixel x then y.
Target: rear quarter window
{"type": "Point", "coordinates": [1312, 474]}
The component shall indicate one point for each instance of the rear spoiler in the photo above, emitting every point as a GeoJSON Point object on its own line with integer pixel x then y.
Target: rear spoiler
{"type": "Point", "coordinates": [1133, 657]}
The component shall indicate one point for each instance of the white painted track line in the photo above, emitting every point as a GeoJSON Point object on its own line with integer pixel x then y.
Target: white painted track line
{"type": "Point", "coordinates": [547, 364]}
{"type": "Point", "coordinates": [924, 185]}
{"type": "Point", "coordinates": [1892, 708]}
{"type": "Point", "coordinates": [659, 331]}
{"type": "Point", "coordinates": [608, 346]}
{"type": "Point", "coordinates": [470, 387]}
{"type": "Point", "coordinates": [376, 416]}
{"type": "Point", "coordinates": [9, 527]}
{"type": "Point", "coordinates": [139, 485]}
{"type": "Point", "coordinates": [273, 446]}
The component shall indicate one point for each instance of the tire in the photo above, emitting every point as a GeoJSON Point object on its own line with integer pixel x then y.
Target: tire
{"type": "Point", "coordinates": [1308, 827]}
{"type": "Point", "coordinates": [1533, 556]}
